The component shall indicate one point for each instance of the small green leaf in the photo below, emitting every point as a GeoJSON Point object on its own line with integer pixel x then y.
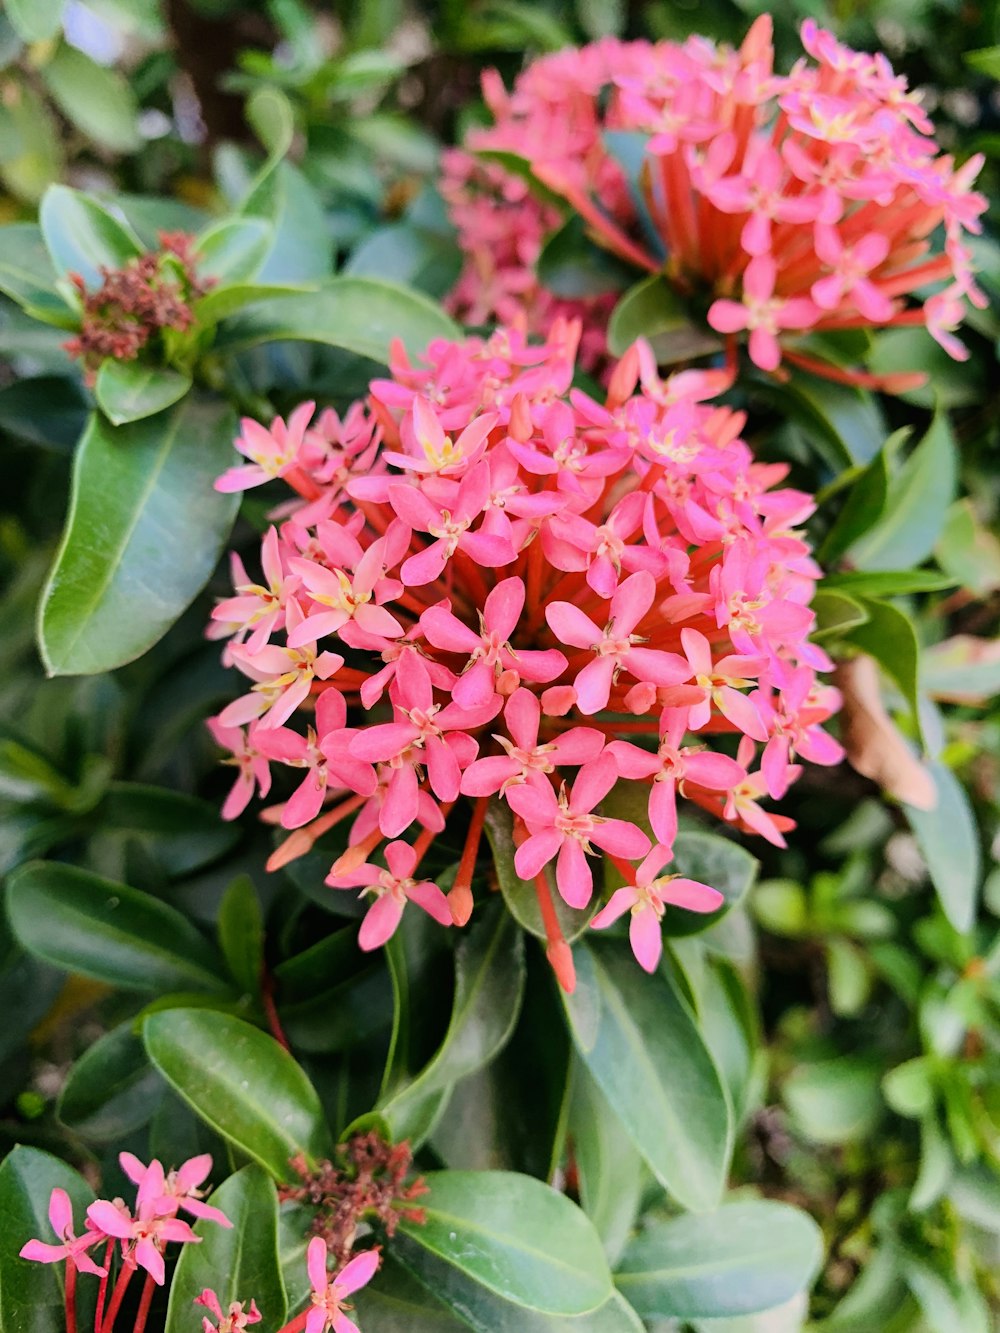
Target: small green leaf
{"type": "Point", "coordinates": [949, 841]}
{"type": "Point", "coordinates": [36, 20]}
{"type": "Point", "coordinates": [968, 550]}
{"type": "Point", "coordinates": [645, 1053]}
{"type": "Point", "coordinates": [26, 274]}
{"type": "Point", "coordinates": [95, 98]}
{"type": "Point", "coordinates": [144, 533]}
{"type": "Point", "coordinates": [31, 150]}
{"type": "Point", "coordinates": [888, 636]}
{"type": "Point", "coordinates": [242, 1083]}
{"type": "Point", "coordinates": [82, 237]}
{"type": "Point", "coordinates": [223, 302]}
{"type": "Point", "coordinates": [741, 1259]}
{"type": "Point", "coordinates": [834, 1101]}
{"type": "Point", "coordinates": [182, 833]}
{"type": "Point", "coordinates": [573, 265]}
{"type": "Point", "coordinates": [508, 1233]}
{"type": "Point", "coordinates": [31, 1294]}
{"type": "Point", "coordinates": [652, 310]}
{"type": "Point", "coordinates": [608, 1165]}
{"type": "Point", "coordinates": [47, 410]}
{"type": "Point", "coordinates": [429, 261]}
{"type": "Point", "coordinates": [109, 931]}
{"type": "Point", "coordinates": [233, 250]}
{"type": "Point", "coordinates": [864, 506]}
{"type": "Point", "coordinates": [986, 60]}
{"type": "Point", "coordinates": [130, 390]}
{"type": "Point", "coordinates": [712, 860]}
{"type": "Point", "coordinates": [241, 933]}
{"type": "Point", "coordinates": [238, 1263]}
{"type": "Point", "coordinates": [918, 500]}
{"type": "Point", "coordinates": [887, 583]}
{"type": "Point", "coordinates": [836, 613]}
{"type": "Point", "coordinates": [489, 984]}
{"type": "Point", "coordinates": [112, 1090]}
{"type": "Point", "coordinates": [518, 894]}
{"type": "Point", "coordinates": [361, 315]}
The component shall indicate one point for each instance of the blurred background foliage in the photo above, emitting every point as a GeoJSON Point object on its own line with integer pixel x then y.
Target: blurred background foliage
{"type": "Point", "coordinates": [866, 962]}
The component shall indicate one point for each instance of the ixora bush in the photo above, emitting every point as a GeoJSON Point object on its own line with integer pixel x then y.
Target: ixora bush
{"type": "Point", "coordinates": [583, 573]}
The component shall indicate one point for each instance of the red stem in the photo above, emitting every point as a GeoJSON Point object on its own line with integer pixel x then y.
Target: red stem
{"type": "Point", "coordinates": [144, 1304]}
{"type": "Point", "coordinates": [271, 1009]}
{"type": "Point", "coordinates": [102, 1290]}
{"type": "Point", "coordinates": [118, 1295]}
{"type": "Point", "coordinates": [557, 951]}
{"type": "Point", "coordinates": [70, 1296]}
{"type": "Point", "coordinates": [296, 1324]}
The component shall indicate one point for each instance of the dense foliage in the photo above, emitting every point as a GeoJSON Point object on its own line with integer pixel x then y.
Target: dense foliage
{"type": "Point", "coordinates": [594, 921]}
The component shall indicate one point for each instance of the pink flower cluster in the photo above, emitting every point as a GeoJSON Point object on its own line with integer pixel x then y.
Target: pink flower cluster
{"type": "Point", "coordinates": [491, 585]}
{"type": "Point", "coordinates": [142, 1234]}
{"type": "Point", "coordinates": [799, 202]}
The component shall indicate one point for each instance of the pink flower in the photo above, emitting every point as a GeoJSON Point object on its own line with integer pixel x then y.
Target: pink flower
{"type": "Point", "coordinates": [234, 1320]}
{"type": "Point", "coordinates": [564, 829]}
{"type": "Point", "coordinates": [273, 451]}
{"type": "Point", "coordinates": [615, 646]}
{"type": "Point", "coordinates": [647, 900]}
{"type": "Point", "coordinates": [72, 1248]}
{"type": "Point", "coordinates": [328, 1297]}
{"type": "Point", "coordinates": [762, 313]}
{"type": "Point", "coordinates": [252, 767]}
{"type": "Point", "coordinates": [143, 1236]}
{"type": "Point", "coordinates": [175, 1189]}
{"type": "Point", "coordinates": [392, 889]}
{"type": "Point", "coordinates": [524, 759]}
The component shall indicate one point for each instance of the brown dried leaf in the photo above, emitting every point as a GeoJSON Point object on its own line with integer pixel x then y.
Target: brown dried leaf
{"type": "Point", "coordinates": [874, 744]}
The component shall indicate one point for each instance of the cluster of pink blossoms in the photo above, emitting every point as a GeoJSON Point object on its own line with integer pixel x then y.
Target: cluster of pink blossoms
{"type": "Point", "coordinates": [143, 1235]}
{"type": "Point", "coordinates": [799, 202]}
{"type": "Point", "coordinates": [490, 585]}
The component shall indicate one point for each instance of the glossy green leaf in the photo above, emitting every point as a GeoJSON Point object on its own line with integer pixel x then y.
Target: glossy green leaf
{"type": "Point", "coordinates": [361, 315]}
{"type": "Point", "coordinates": [95, 98]}
{"type": "Point", "coordinates": [31, 1294]}
{"type": "Point", "coordinates": [608, 1164]}
{"type": "Point", "coordinates": [144, 532]}
{"type": "Point", "coordinates": [518, 894]}
{"type": "Point", "coordinates": [302, 245]}
{"type": "Point", "coordinates": [130, 390]}
{"type": "Point", "coordinates": [242, 1083]}
{"type": "Point", "coordinates": [489, 984]}
{"type": "Point", "coordinates": [968, 550]}
{"type": "Point", "coordinates": [26, 273]}
{"type": "Point", "coordinates": [83, 237]}
{"type": "Point", "coordinates": [574, 266]}
{"type": "Point", "coordinates": [508, 1233]}
{"type": "Point", "coordinates": [645, 1053]}
{"type": "Point", "coordinates": [429, 261]}
{"type": "Point", "coordinates": [949, 841]}
{"type": "Point", "coordinates": [35, 20]}
{"type": "Point", "coordinates": [836, 613]}
{"type": "Point", "coordinates": [233, 250]}
{"type": "Point", "coordinates": [109, 931]}
{"type": "Point", "coordinates": [887, 582]}
{"type": "Point", "coordinates": [112, 1089]}
{"type": "Point", "coordinates": [395, 1302]}
{"type": "Point", "coordinates": [918, 501]}
{"type": "Point", "coordinates": [47, 410]}
{"type": "Point", "coordinates": [863, 508]}
{"type": "Point", "coordinates": [237, 1263]}
{"type": "Point", "coordinates": [652, 310]}
{"type": "Point", "coordinates": [964, 668]}
{"type": "Point", "coordinates": [182, 833]}
{"type": "Point", "coordinates": [834, 1101]}
{"type": "Point", "coordinates": [223, 302]}
{"type": "Point", "coordinates": [741, 1259]}
{"type": "Point", "coordinates": [31, 150]}
{"type": "Point", "coordinates": [241, 933]}
{"type": "Point", "coordinates": [888, 636]}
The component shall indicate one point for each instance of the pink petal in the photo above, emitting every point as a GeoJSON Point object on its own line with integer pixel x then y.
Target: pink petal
{"type": "Point", "coordinates": [631, 602]}
{"type": "Point", "coordinates": [573, 875]}
{"type": "Point", "coordinates": [60, 1212]}
{"type": "Point", "coordinates": [621, 838]}
{"type": "Point", "coordinates": [727, 316]}
{"type": "Point", "coordinates": [503, 607]}
{"type": "Point", "coordinates": [522, 716]}
{"type": "Point", "coordinates": [692, 895]}
{"type": "Point", "coordinates": [485, 777]}
{"type": "Point", "coordinates": [593, 685]}
{"type": "Point", "coordinates": [400, 858]}
{"type": "Point", "coordinates": [107, 1218]}
{"type": "Point", "coordinates": [536, 852]}
{"type": "Point", "coordinates": [446, 631]}
{"type": "Point", "coordinates": [568, 623]}
{"type": "Point", "coordinates": [764, 349]}
{"type": "Point", "coordinates": [593, 782]}
{"type": "Point", "coordinates": [380, 922]}
{"type": "Point", "coordinates": [621, 901]}
{"type": "Point", "coordinates": [147, 1256]}
{"type": "Point", "coordinates": [41, 1253]}
{"type": "Point", "coordinates": [432, 900]}
{"type": "Point", "coordinates": [646, 938]}
{"type": "Point", "coordinates": [316, 1264]}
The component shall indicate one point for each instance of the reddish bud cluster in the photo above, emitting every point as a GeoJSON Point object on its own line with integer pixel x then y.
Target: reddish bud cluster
{"type": "Point", "coordinates": [149, 293]}
{"type": "Point", "coordinates": [367, 1181]}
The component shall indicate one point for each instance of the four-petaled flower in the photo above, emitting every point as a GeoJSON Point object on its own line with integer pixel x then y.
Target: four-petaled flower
{"type": "Point", "coordinates": [329, 1295]}
{"type": "Point", "coordinates": [392, 889]}
{"type": "Point", "coordinates": [73, 1248]}
{"type": "Point", "coordinates": [234, 1320]}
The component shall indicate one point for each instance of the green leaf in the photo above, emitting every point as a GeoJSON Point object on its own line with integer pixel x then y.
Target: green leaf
{"type": "Point", "coordinates": [112, 1090]}
{"type": "Point", "coordinates": [47, 410]}
{"type": "Point", "coordinates": [144, 533]}
{"type": "Point", "coordinates": [741, 1259]}
{"type": "Point", "coordinates": [81, 236]}
{"type": "Point", "coordinates": [403, 252]}
{"type": "Point", "coordinates": [888, 636]}
{"type": "Point", "coordinates": [395, 1302]}
{"type": "Point", "coordinates": [302, 246]}
{"type": "Point", "coordinates": [31, 151]}
{"type": "Point", "coordinates": [237, 1263]}
{"type": "Point", "coordinates": [223, 302]}
{"type": "Point", "coordinates": [361, 315]}
{"type": "Point", "coordinates": [26, 271]}
{"type": "Point", "coordinates": [864, 506]}
{"type": "Point", "coordinates": [233, 250]}
{"type": "Point", "coordinates": [35, 20]}
{"type": "Point", "coordinates": [241, 933]}
{"type": "Point", "coordinates": [242, 1083]}
{"type": "Point", "coordinates": [968, 550]}
{"type": "Point", "coordinates": [887, 583]}
{"type": "Point", "coordinates": [834, 1101]}
{"type": "Point", "coordinates": [918, 501]}
{"type": "Point", "coordinates": [95, 98]}
{"type": "Point", "coordinates": [31, 1294]}
{"type": "Point", "coordinates": [608, 1165]}
{"type": "Point", "coordinates": [518, 894]}
{"type": "Point", "coordinates": [109, 931]}
{"type": "Point", "coordinates": [602, 18]}
{"type": "Point", "coordinates": [181, 832]}
{"type": "Point", "coordinates": [652, 310]}
{"type": "Point", "coordinates": [646, 1055]}
{"type": "Point", "coordinates": [130, 390]}
{"type": "Point", "coordinates": [949, 841]}
{"type": "Point", "coordinates": [712, 860]}
{"type": "Point", "coordinates": [836, 613]}
{"type": "Point", "coordinates": [847, 420]}
{"type": "Point", "coordinates": [489, 984]}
{"type": "Point", "coordinates": [574, 266]}
{"type": "Point", "coordinates": [508, 1233]}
